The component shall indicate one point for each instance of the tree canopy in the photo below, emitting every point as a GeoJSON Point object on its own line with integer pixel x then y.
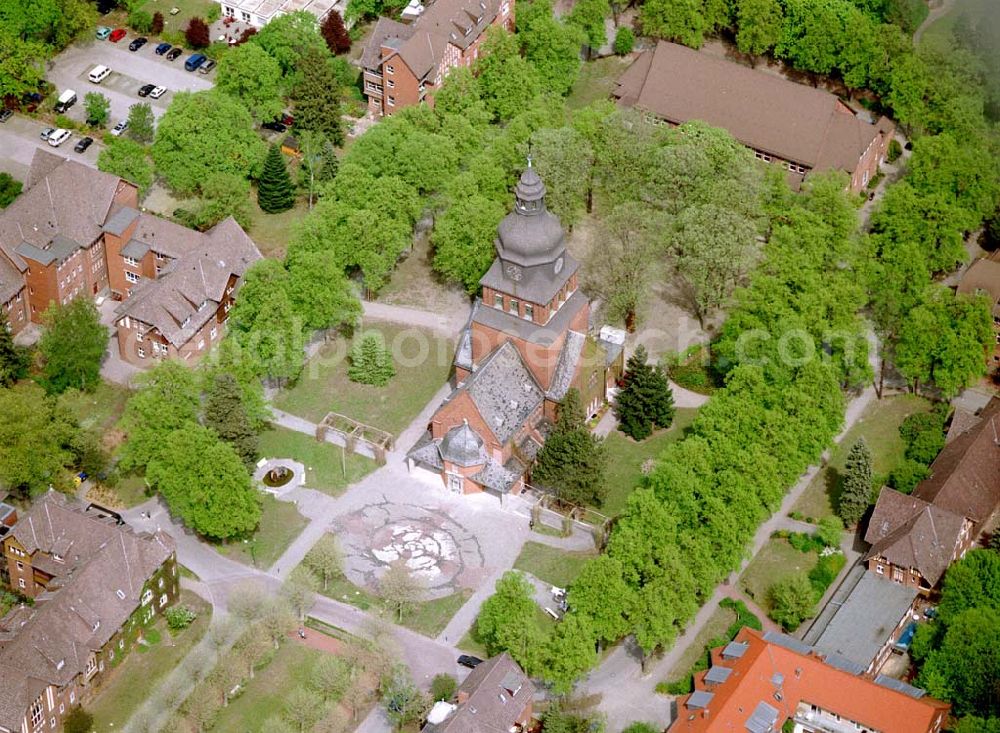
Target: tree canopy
{"type": "Point", "coordinates": [73, 346]}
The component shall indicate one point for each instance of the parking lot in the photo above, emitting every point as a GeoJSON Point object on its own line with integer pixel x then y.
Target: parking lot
{"type": "Point", "coordinates": [129, 71]}
{"type": "Point", "coordinates": [19, 139]}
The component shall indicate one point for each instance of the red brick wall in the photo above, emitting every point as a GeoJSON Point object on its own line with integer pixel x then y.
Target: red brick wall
{"type": "Point", "coordinates": [405, 87]}
{"type": "Point", "coordinates": [18, 313]}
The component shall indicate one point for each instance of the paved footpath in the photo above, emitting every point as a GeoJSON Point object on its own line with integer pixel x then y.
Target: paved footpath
{"type": "Point", "coordinates": [627, 694]}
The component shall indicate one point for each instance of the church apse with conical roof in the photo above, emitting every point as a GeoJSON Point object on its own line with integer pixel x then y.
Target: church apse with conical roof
{"type": "Point", "coordinates": [526, 344]}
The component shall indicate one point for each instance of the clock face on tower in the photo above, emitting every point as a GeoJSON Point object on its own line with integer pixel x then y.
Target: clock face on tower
{"type": "Point", "coordinates": [513, 272]}
{"type": "Point", "coordinates": [559, 265]}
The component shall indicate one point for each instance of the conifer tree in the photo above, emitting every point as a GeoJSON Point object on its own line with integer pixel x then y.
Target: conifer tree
{"type": "Point", "coordinates": [226, 415]}
{"type": "Point", "coordinates": [316, 96]}
{"type": "Point", "coordinates": [13, 359]}
{"type": "Point", "coordinates": [275, 192]}
{"type": "Point", "coordinates": [329, 163]}
{"type": "Point", "coordinates": [856, 487]}
{"type": "Point", "coordinates": [335, 34]}
{"type": "Point", "coordinates": [371, 362]}
{"type": "Point", "coordinates": [646, 400]}
{"type": "Point", "coordinates": [573, 460]}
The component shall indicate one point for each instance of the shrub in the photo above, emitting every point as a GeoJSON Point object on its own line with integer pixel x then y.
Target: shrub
{"type": "Point", "coordinates": [804, 542]}
{"type": "Point", "coordinates": [66, 123]}
{"type": "Point", "coordinates": [905, 477]}
{"type": "Point", "coordinates": [895, 150]}
{"type": "Point", "coordinates": [78, 721]}
{"type": "Point", "coordinates": [744, 617]}
{"type": "Point", "coordinates": [641, 728]}
{"type": "Point", "coordinates": [140, 21]}
{"type": "Point", "coordinates": [923, 434]}
{"type": "Point", "coordinates": [179, 617]}
{"type": "Point", "coordinates": [829, 531]}
{"type": "Point", "coordinates": [157, 26]}
{"type": "Point", "coordinates": [825, 572]}
{"type": "Point", "coordinates": [443, 687]}
{"type": "Point", "coordinates": [679, 687]}
{"type": "Point", "coordinates": [213, 13]}
{"type": "Point", "coordinates": [10, 189]}
{"type": "Point", "coordinates": [197, 33]}
{"type": "Point", "coordinates": [792, 600]}
{"type": "Point", "coordinates": [624, 41]}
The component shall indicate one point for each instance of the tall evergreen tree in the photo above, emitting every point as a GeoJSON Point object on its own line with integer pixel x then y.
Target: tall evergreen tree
{"type": "Point", "coordinates": [226, 415]}
{"type": "Point", "coordinates": [573, 460]}
{"type": "Point", "coordinates": [13, 359]}
{"type": "Point", "coordinates": [335, 34]}
{"type": "Point", "coordinates": [329, 163]}
{"type": "Point", "coordinates": [316, 96]}
{"type": "Point", "coordinates": [371, 362]}
{"type": "Point", "coordinates": [275, 192]}
{"type": "Point", "coordinates": [646, 400]}
{"type": "Point", "coordinates": [856, 486]}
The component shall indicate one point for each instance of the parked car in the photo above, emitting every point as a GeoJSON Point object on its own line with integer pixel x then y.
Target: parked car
{"type": "Point", "coordinates": [58, 137]}
{"type": "Point", "coordinates": [276, 125]}
{"type": "Point", "coordinates": [287, 119]}
{"type": "Point", "coordinates": [194, 61]}
{"type": "Point", "coordinates": [116, 35]}
{"type": "Point", "coordinates": [103, 32]}
{"type": "Point", "coordinates": [6, 114]}
{"type": "Point", "coordinates": [138, 43]}
{"type": "Point", "coordinates": [145, 89]}
{"type": "Point", "coordinates": [174, 53]}
{"type": "Point", "coordinates": [207, 66]}
{"type": "Point", "coordinates": [163, 48]}
{"type": "Point", "coordinates": [99, 74]}
{"type": "Point", "coordinates": [158, 92]}
{"type": "Point", "coordinates": [46, 131]}
{"type": "Point", "coordinates": [120, 128]}
{"type": "Point", "coordinates": [66, 100]}
{"type": "Point", "coordinates": [83, 144]}
{"type": "Point", "coordinates": [467, 660]}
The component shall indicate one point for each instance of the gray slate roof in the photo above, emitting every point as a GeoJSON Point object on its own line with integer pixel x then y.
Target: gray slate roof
{"type": "Point", "coordinates": [530, 235]}
{"type": "Point", "coordinates": [504, 391]}
{"type": "Point", "coordinates": [497, 691]}
{"type": "Point", "coordinates": [462, 446]}
{"type": "Point", "coordinates": [866, 620]}
{"type": "Point", "coordinates": [569, 360]}
{"type": "Point", "coordinates": [537, 284]}
{"type": "Point", "coordinates": [171, 303]}
{"type": "Point", "coordinates": [50, 642]}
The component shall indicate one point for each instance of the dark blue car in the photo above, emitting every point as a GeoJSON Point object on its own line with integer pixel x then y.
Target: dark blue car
{"type": "Point", "coordinates": [163, 48]}
{"type": "Point", "coordinates": [194, 61]}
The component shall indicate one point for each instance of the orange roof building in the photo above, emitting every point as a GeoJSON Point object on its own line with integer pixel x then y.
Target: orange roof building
{"type": "Point", "coordinates": [758, 682]}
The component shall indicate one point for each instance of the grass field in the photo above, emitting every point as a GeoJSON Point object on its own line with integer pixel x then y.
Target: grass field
{"type": "Point", "coordinates": [880, 428]}
{"type": "Point", "coordinates": [423, 362]}
{"type": "Point", "coordinates": [776, 560]}
{"type": "Point", "coordinates": [550, 564]}
{"type": "Point", "coordinates": [188, 9]}
{"type": "Point", "coordinates": [132, 681]}
{"type": "Point", "coordinates": [271, 232]}
{"type": "Point", "coordinates": [716, 627]}
{"type": "Point", "coordinates": [99, 409]}
{"type": "Point", "coordinates": [626, 456]}
{"type": "Point", "coordinates": [280, 523]}
{"type": "Point", "coordinates": [428, 618]}
{"type": "Point", "coordinates": [324, 462]}
{"type": "Point", "coordinates": [596, 80]}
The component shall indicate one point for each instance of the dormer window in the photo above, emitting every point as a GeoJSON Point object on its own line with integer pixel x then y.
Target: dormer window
{"type": "Point", "coordinates": [147, 596]}
{"type": "Point", "coordinates": [187, 322]}
{"type": "Point", "coordinates": [204, 303]}
{"type": "Point", "coordinates": [58, 558]}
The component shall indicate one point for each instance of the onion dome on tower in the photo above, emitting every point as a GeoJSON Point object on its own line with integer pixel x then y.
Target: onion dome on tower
{"type": "Point", "coordinates": [530, 235]}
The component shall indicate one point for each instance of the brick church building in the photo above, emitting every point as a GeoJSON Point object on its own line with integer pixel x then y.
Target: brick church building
{"type": "Point", "coordinates": [526, 344]}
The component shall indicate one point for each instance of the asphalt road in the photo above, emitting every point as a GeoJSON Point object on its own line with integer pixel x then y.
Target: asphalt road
{"type": "Point", "coordinates": [19, 139]}
{"type": "Point", "coordinates": [129, 71]}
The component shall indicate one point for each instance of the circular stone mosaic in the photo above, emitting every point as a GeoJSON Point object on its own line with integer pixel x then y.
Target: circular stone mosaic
{"type": "Point", "coordinates": [434, 547]}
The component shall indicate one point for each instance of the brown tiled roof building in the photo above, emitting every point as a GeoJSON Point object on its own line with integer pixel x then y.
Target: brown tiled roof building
{"type": "Point", "coordinates": [915, 538]}
{"type": "Point", "coordinates": [405, 64]}
{"type": "Point", "coordinates": [496, 696]}
{"type": "Point", "coordinates": [95, 584]}
{"type": "Point", "coordinates": [798, 127]}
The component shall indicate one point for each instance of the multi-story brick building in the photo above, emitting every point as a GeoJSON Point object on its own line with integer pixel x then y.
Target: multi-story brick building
{"type": "Point", "coordinates": [76, 231]}
{"type": "Point", "coordinates": [792, 125]}
{"type": "Point", "coordinates": [404, 64]}
{"type": "Point", "coordinates": [764, 683]}
{"type": "Point", "coordinates": [95, 586]}
{"type": "Point", "coordinates": [526, 345]}
{"type": "Point", "coordinates": [914, 539]}
{"type": "Point", "coordinates": [51, 242]}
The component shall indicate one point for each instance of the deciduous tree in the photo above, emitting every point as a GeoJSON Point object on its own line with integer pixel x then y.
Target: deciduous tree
{"type": "Point", "coordinates": [35, 441]}
{"type": "Point", "coordinates": [463, 239]}
{"type": "Point", "coordinates": [127, 159]}
{"type": "Point", "coordinates": [250, 74]}
{"type": "Point", "coordinates": [507, 82]}
{"type": "Point", "coordinates": [97, 107]}
{"type": "Point", "coordinates": [73, 346]}
{"type": "Point", "coordinates": [759, 24]}
{"type": "Point", "coordinates": [289, 38]}
{"type": "Point", "coordinates": [13, 359]}
{"type": "Point", "coordinates": [320, 292]}
{"type": "Point", "coordinates": [332, 678]}
{"type": "Point", "coordinates": [205, 483]}
{"type": "Point", "coordinates": [167, 399]}
{"type": "Point", "coordinates": [675, 20]}
{"type": "Point", "coordinates": [550, 45]}
{"type": "Point", "coordinates": [506, 621]}
{"type": "Point", "coordinates": [197, 33]}
{"type": "Point", "coordinates": [564, 159]}
{"type": "Point", "coordinates": [402, 701]}
{"type": "Point", "coordinates": [338, 40]}
{"type": "Point", "coordinates": [793, 600]}
{"type": "Point", "coordinates": [325, 559]}
{"type": "Point", "coordinates": [140, 123]}
{"type": "Point", "coordinates": [400, 589]}
{"type": "Point", "coordinates": [10, 189]}
{"type": "Point", "coordinates": [303, 709]}
{"type": "Point", "coordinates": [299, 590]}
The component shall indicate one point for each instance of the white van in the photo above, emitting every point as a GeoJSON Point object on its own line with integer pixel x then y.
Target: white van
{"type": "Point", "coordinates": [66, 100]}
{"type": "Point", "coordinates": [58, 137]}
{"type": "Point", "coordinates": [99, 74]}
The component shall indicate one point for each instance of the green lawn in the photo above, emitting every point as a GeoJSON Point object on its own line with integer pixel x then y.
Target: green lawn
{"type": "Point", "coordinates": [776, 560]}
{"type": "Point", "coordinates": [626, 456]}
{"type": "Point", "coordinates": [271, 232]}
{"type": "Point", "coordinates": [428, 618]}
{"type": "Point", "coordinates": [879, 426]}
{"type": "Point", "coordinates": [550, 564]}
{"type": "Point", "coordinates": [423, 362]}
{"type": "Point", "coordinates": [188, 9]}
{"type": "Point", "coordinates": [325, 463]}
{"type": "Point", "coordinates": [596, 80]}
{"type": "Point", "coordinates": [280, 523]}
{"type": "Point", "coordinates": [264, 695]}
{"type": "Point", "coordinates": [131, 490]}
{"type": "Point", "coordinates": [99, 409]}
{"type": "Point", "coordinates": [132, 681]}
{"type": "Point", "coordinates": [716, 627]}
